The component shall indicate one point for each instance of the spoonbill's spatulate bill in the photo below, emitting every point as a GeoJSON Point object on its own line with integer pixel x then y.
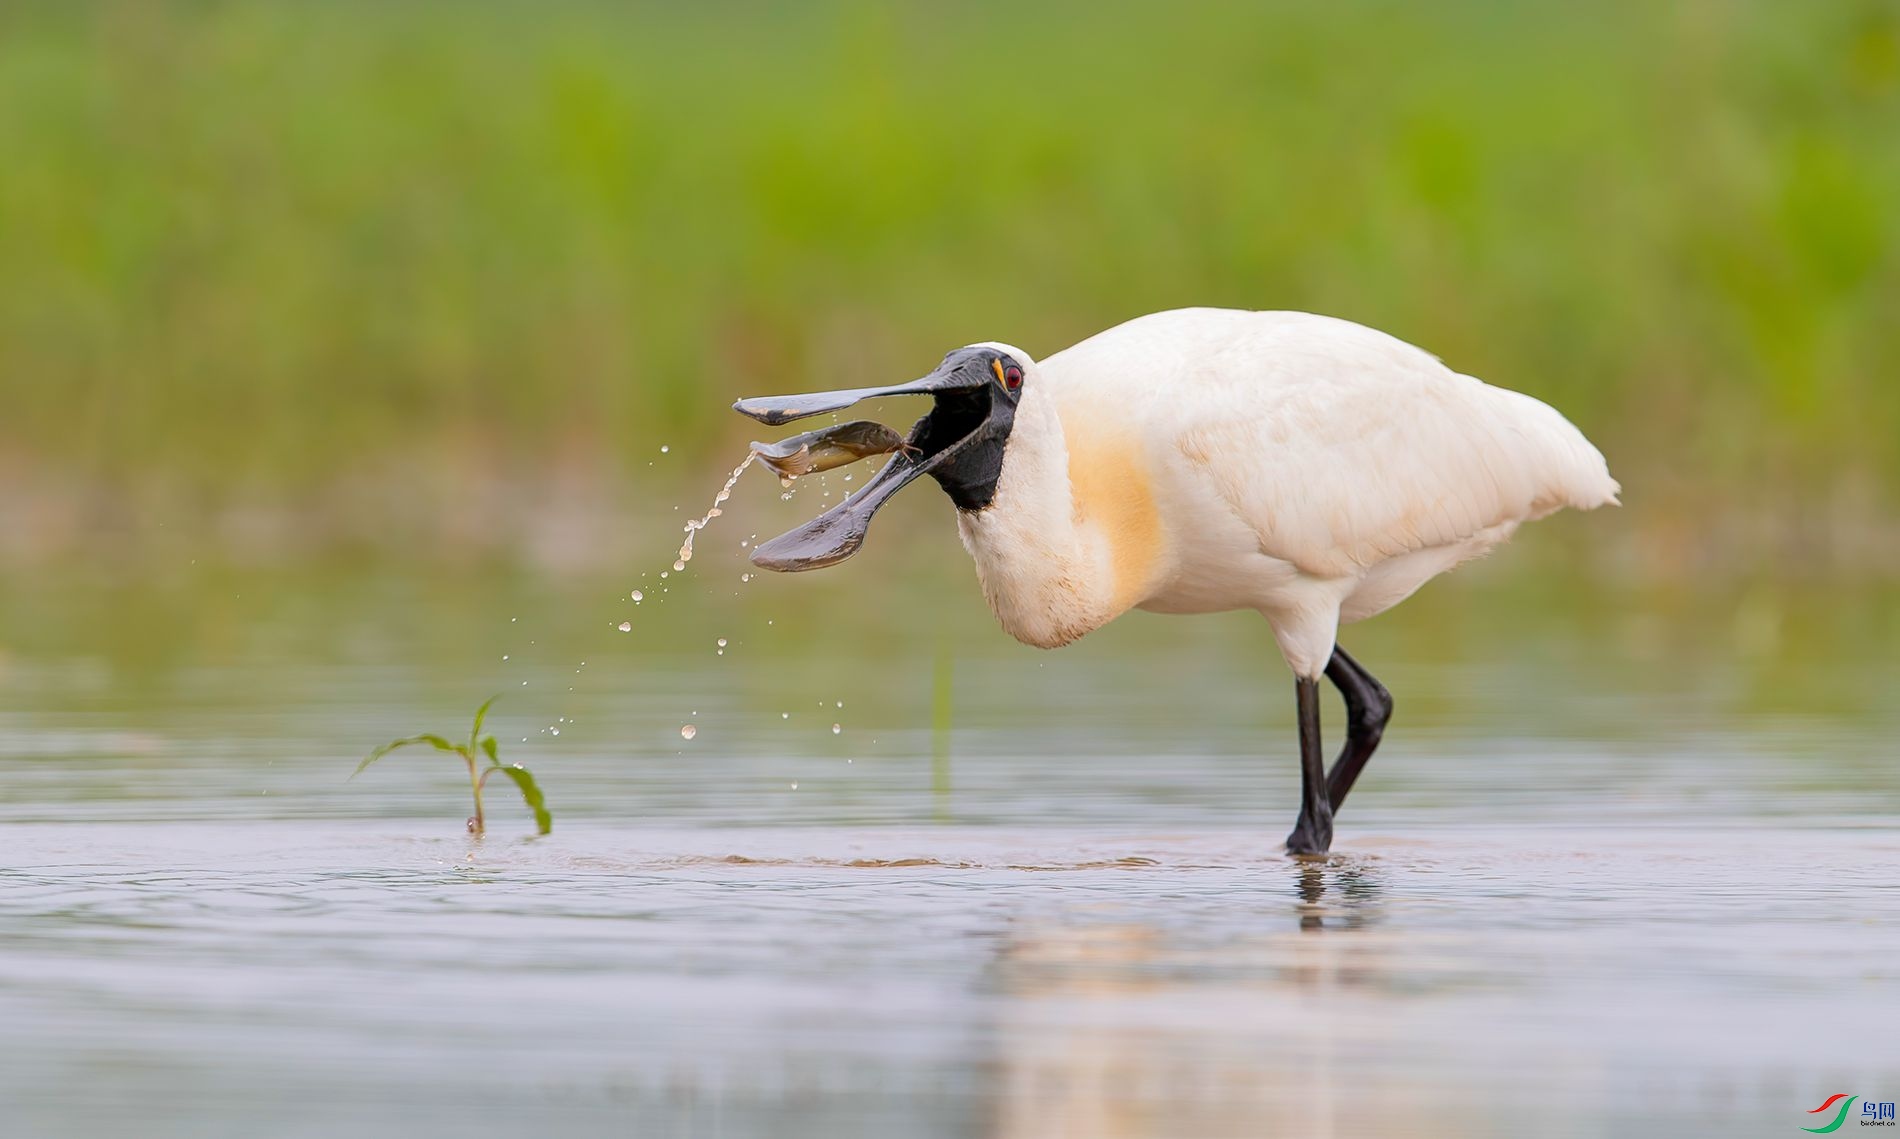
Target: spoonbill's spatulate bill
{"type": "Point", "coordinates": [1201, 460]}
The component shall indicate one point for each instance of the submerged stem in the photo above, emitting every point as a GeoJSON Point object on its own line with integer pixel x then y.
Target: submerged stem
{"type": "Point", "coordinates": [475, 825]}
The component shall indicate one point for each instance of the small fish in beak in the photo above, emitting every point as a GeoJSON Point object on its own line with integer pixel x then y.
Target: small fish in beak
{"type": "Point", "coordinates": [959, 443]}
{"type": "Point", "coordinates": [831, 447]}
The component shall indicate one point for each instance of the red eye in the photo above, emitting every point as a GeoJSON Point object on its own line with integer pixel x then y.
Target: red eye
{"type": "Point", "coordinates": [1012, 377]}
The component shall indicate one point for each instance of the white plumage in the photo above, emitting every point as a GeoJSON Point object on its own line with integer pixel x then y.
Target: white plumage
{"type": "Point", "coordinates": [1204, 460]}
{"type": "Point", "coordinates": [1306, 467]}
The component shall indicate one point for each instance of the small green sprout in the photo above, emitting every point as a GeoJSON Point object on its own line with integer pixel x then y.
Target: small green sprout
{"type": "Point", "coordinates": [477, 774]}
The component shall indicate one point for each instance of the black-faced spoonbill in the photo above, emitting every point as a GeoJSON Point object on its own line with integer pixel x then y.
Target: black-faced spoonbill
{"type": "Point", "coordinates": [1201, 460]}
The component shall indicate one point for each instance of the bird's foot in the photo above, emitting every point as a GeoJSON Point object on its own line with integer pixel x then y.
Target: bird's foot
{"type": "Point", "coordinates": [1310, 837]}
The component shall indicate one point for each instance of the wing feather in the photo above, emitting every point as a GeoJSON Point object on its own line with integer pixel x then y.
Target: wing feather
{"type": "Point", "coordinates": [1341, 446]}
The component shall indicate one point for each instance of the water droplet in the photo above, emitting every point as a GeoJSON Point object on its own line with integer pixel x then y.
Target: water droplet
{"type": "Point", "coordinates": [794, 786]}
{"type": "Point", "coordinates": [556, 731]}
{"type": "Point", "coordinates": [784, 715]}
{"type": "Point", "coordinates": [688, 731]}
{"type": "Point", "coordinates": [722, 642]}
{"type": "Point", "coordinates": [664, 449]}
{"type": "Point", "coordinates": [694, 526]}
{"type": "Point", "coordinates": [840, 703]}
{"type": "Point", "coordinates": [638, 597]}
{"type": "Point", "coordinates": [504, 656]}
{"type": "Point", "coordinates": [625, 627]}
{"type": "Point", "coordinates": [745, 577]}
{"type": "Point", "coordinates": [662, 573]}
{"type": "Point", "coordinates": [524, 684]}
{"type": "Point", "coordinates": [836, 728]}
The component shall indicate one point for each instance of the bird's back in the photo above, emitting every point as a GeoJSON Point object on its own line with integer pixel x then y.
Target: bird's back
{"type": "Point", "coordinates": [1337, 445]}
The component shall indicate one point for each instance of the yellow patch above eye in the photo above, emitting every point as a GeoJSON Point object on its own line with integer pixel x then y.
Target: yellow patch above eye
{"type": "Point", "coordinates": [997, 367]}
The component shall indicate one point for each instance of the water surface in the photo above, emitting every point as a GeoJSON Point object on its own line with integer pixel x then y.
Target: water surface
{"type": "Point", "coordinates": [1627, 865]}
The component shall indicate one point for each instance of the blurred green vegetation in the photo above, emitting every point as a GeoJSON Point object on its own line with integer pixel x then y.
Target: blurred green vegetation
{"type": "Point", "coordinates": [304, 256]}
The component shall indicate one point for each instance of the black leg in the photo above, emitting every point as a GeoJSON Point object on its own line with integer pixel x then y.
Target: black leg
{"type": "Point", "coordinates": [1313, 833]}
{"type": "Point", "coordinates": [1368, 709]}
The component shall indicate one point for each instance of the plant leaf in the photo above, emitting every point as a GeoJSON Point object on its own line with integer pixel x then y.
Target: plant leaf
{"type": "Point", "coordinates": [481, 714]}
{"type": "Point", "coordinates": [543, 819]}
{"type": "Point", "coordinates": [488, 746]}
{"type": "Point", "coordinates": [434, 741]}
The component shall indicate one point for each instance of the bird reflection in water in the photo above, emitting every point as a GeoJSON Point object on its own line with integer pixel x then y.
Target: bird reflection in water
{"type": "Point", "coordinates": [1355, 889]}
{"type": "Point", "coordinates": [1162, 1014]}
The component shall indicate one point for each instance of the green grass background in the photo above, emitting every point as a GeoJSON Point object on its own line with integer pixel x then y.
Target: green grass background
{"type": "Point", "coordinates": [383, 272]}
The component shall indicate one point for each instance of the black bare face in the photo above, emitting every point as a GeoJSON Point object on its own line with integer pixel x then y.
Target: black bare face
{"type": "Point", "coordinates": [959, 443]}
{"type": "Point", "coordinates": [969, 427]}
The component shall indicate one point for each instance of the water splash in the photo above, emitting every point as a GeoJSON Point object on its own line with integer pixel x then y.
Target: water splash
{"type": "Point", "coordinates": [719, 500]}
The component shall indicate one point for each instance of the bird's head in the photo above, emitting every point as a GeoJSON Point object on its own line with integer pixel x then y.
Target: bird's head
{"type": "Point", "coordinates": [959, 443]}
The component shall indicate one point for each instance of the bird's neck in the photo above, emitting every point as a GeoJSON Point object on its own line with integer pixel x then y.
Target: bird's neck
{"type": "Point", "coordinates": [1053, 549]}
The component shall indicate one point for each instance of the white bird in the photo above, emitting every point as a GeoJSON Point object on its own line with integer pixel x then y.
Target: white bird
{"type": "Point", "coordinates": [1201, 460]}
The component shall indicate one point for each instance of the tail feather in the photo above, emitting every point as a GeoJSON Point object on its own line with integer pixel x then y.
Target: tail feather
{"type": "Point", "coordinates": [1574, 473]}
